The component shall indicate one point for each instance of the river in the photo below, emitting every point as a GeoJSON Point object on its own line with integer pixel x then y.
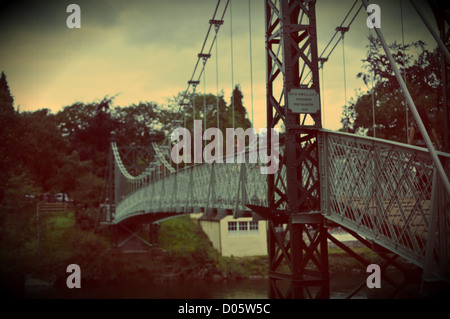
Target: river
{"type": "Point", "coordinates": [340, 287]}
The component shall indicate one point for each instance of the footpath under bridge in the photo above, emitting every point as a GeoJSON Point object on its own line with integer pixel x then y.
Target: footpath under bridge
{"type": "Point", "coordinates": [386, 192]}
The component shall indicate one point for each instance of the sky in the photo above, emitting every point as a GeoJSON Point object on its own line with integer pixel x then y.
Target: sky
{"type": "Point", "coordinates": [145, 51]}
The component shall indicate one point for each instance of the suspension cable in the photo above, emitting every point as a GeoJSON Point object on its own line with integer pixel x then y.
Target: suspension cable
{"type": "Point", "coordinates": [373, 89]}
{"type": "Point", "coordinates": [194, 88]}
{"type": "Point", "coordinates": [323, 95]}
{"type": "Point", "coordinates": [184, 113]}
{"type": "Point", "coordinates": [232, 66]}
{"type": "Point", "coordinates": [404, 69]}
{"type": "Point", "coordinates": [324, 55]}
{"type": "Point", "coordinates": [211, 23]}
{"type": "Point", "coordinates": [345, 81]}
{"type": "Point", "coordinates": [340, 26]}
{"type": "Point", "coordinates": [217, 77]}
{"type": "Point", "coordinates": [251, 55]}
{"type": "Point", "coordinates": [204, 96]}
{"type": "Point", "coordinates": [193, 106]}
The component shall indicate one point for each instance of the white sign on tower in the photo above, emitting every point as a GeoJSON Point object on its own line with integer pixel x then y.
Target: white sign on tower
{"type": "Point", "coordinates": [303, 101]}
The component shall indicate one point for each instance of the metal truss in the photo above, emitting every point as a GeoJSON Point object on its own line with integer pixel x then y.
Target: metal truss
{"type": "Point", "coordinates": [297, 242]}
{"type": "Point", "coordinates": [128, 232]}
{"type": "Point", "coordinates": [411, 274]}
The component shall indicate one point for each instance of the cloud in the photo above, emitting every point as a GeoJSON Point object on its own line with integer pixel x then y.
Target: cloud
{"type": "Point", "coordinates": [147, 49]}
{"type": "Point", "coordinates": [172, 24]}
{"type": "Point", "coordinates": [50, 16]}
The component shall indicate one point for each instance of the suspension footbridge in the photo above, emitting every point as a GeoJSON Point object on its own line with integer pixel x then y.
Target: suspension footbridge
{"type": "Point", "coordinates": [387, 194]}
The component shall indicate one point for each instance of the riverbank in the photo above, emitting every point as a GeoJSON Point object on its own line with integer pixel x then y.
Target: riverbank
{"type": "Point", "coordinates": [192, 256]}
{"type": "Point", "coordinates": [184, 255]}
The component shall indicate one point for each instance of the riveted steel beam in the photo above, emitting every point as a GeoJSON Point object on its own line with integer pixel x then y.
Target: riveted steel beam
{"type": "Point", "coordinates": [291, 49]}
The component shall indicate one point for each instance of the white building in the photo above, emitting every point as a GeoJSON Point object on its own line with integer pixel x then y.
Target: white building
{"type": "Point", "coordinates": [235, 237]}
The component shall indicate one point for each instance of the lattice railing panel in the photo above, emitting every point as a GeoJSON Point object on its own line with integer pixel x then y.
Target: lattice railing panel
{"type": "Point", "coordinates": [382, 190]}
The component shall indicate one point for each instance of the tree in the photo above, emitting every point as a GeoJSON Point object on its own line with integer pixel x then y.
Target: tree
{"type": "Point", "coordinates": [42, 148]}
{"type": "Point", "coordinates": [240, 112]}
{"type": "Point", "coordinates": [67, 173]}
{"type": "Point", "coordinates": [137, 124]}
{"type": "Point", "coordinates": [6, 99]}
{"type": "Point", "coordinates": [89, 189]}
{"type": "Point", "coordinates": [75, 118]}
{"type": "Point", "coordinates": [87, 130]}
{"type": "Point", "coordinates": [423, 81]}
{"type": "Point", "coordinates": [8, 134]}
{"type": "Point", "coordinates": [173, 116]}
{"type": "Point", "coordinates": [87, 127]}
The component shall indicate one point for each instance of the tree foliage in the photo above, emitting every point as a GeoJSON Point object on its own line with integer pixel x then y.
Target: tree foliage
{"type": "Point", "coordinates": [422, 69]}
{"type": "Point", "coordinates": [176, 116]}
{"type": "Point", "coordinates": [68, 152]}
{"type": "Point", "coordinates": [42, 148]}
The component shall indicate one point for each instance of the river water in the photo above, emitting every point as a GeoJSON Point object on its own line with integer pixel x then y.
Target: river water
{"type": "Point", "coordinates": [340, 287]}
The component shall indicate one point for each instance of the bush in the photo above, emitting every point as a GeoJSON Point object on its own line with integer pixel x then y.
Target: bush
{"type": "Point", "coordinates": [243, 267]}
{"type": "Point", "coordinates": [17, 234]}
{"type": "Point", "coordinates": [86, 218]}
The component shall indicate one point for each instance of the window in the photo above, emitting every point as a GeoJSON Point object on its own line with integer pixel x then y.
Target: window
{"type": "Point", "coordinates": [254, 226]}
{"type": "Point", "coordinates": [243, 228]}
{"type": "Point", "coordinates": [232, 226]}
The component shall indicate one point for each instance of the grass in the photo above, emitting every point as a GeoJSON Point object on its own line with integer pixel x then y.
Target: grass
{"type": "Point", "coordinates": [186, 243]}
{"type": "Point", "coordinates": [56, 229]}
{"type": "Point", "coordinates": [243, 267]}
{"type": "Point", "coordinates": [340, 262]}
{"type": "Point", "coordinates": [190, 251]}
{"type": "Point", "coordinates": [182, 237]}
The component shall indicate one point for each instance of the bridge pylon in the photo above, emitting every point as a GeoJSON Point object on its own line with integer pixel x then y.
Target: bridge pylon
{"type": "Point", "coordinates": [297, 240]}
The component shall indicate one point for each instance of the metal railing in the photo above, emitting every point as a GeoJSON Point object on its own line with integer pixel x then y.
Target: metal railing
{"type": "Point", "coordinates": [389, 193]}
{"type": "Point", "coordinates": [228, 186]}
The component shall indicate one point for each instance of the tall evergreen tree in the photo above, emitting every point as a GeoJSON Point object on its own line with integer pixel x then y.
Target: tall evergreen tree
{"type": "Point", "coordinates": [6, 99]}
{"type": "Point", "coordinates": [8, 121]}
{"type": "Point", "coordinates": [240, 112]}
